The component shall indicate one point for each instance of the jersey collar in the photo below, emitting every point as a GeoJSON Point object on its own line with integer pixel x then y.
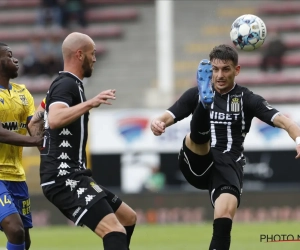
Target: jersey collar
{"type": "Point", "coordinates": [9, 87]}
{"type": "Point", "coordinates": [79, 83]}
{"type": "Point", "coordinates": [226, 92]}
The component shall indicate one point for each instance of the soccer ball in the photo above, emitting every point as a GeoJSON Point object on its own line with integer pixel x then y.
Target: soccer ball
{"type": "Point", "coordinates": [248, 32]}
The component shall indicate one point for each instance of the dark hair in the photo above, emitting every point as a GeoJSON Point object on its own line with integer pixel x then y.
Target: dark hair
{"type": "Point", "coordinates": [225, 53]}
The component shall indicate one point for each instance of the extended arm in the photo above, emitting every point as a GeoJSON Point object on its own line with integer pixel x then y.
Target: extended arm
{"type": "Point", "coordinates": [291, 127]}
{"type": "Point", "coordinates": [181, 109]}
{"type": "Point", "coordinates": [60, 115]}
{"type": "Point", "coordinates": [159, 124]}
{"type": "Point", "coordinates": [15, 139]}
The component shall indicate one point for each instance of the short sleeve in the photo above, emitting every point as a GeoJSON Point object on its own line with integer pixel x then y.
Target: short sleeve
{"type": "Point", "coordinates": [260, 108]}
{"type": "Point", "coordinates": [185, 105]}
{"type": "Point", "coordinates": [30, 107]}
{"type": "Point", "coordinates": [63, 91]}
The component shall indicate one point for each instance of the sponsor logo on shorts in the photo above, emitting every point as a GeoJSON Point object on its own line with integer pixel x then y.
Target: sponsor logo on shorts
{"type": "Point", "coordinates": [96, 187]}
{"type": "Point", "coordinates": [26, 207]}
{"type": "Point", "coordinates": [229, 188]}
{"type": "Point", "coordinates": [115, 199]}
{"type": "Point", "coordinates": [76, 212]}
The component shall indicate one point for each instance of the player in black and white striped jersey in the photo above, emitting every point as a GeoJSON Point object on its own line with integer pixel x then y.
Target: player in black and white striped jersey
{"type": "Point", "coordinates": [211, 157]}
{"type": "Point", "coordinates": [65, 179]}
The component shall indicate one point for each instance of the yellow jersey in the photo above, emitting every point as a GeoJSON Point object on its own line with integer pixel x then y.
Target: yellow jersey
{"type": "Point", "coordinates": [16, 110]}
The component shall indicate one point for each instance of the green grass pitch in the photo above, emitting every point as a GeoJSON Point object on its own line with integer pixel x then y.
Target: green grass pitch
{"type": "Point", "coordinates": [245, 236]}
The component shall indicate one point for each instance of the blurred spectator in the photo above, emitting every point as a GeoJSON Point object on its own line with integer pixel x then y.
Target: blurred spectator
{"type": "Point", "coordinates": [156, 181]}
{"type": "Point", "coordinates": [43, 57]}
{"type": "Point", "coordinates": [273, 54]}
{"type": "Point", "coordinates": [54, 59]}
{"type": "Point", "coordinates": [34, 62]}
{"type": "Point", "coordinates": [50, 12]}
{"type": "Point", "coordinates": [74, 10]}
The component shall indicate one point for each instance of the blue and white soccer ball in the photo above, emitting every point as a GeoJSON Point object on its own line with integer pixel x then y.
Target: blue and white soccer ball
{"type": "Point", "coordinates": [248, 32]}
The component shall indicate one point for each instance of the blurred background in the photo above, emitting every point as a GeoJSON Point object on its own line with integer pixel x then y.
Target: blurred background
{"type": "Point", "coordinates": [149, 51]}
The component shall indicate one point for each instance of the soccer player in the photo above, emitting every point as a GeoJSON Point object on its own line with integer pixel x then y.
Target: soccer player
{"type": "Point", "coordinates": [211, 157]}
{"type": "Point", "coordinates": [16, 110]}
{"type": "Point", "coordinates": [65, 180]}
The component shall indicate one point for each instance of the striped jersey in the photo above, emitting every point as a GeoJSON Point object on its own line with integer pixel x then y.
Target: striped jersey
{"type": "Point", "coordinates": [64, 148]}
{"type": "Point", "coordinates": [230, 116]}
{"type": "Point", "coordinates": [16, 110]}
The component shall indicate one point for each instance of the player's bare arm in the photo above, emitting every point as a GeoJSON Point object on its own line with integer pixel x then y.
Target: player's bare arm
{"type": "Point", "coordinates": [36, 124]}
{"type": "Point", "coordinates": [15, 139]}
{"type": "Point", "coordinates": [159, 124]}
{"type": "Point", "coordinates": [291, 127]}
{"type": "Point", "coordinates": [61, 115]}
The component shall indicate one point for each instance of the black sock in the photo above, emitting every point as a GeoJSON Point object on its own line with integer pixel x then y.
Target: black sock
{"type": "Point", "coordinates": [221, 234]}
{"type": "Point", "coordinates": [200, 125]}
{"type": "Point", "coordinates": [115, 241]}
{"type": "Point", "coordinates": [129, 232]}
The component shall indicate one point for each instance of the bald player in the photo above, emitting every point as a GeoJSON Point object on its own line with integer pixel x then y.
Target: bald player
{"type": "Point", "coordinates": [65, 179]}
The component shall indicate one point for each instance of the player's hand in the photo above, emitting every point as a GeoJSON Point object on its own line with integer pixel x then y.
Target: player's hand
{"type": "Point", "coordinates": [158, 127]}
{"type": "Point", "coordinates": [298, 152]}
{"type": "Point", "coordinates": [103, 98]}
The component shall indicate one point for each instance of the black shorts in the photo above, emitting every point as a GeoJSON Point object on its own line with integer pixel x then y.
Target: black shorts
{"type": "Point", "coordinates": [227, 175]}
{"type": "Point", "coordinates": [216, 172]}
{"type": "Point", "coordinates": [76, 193]}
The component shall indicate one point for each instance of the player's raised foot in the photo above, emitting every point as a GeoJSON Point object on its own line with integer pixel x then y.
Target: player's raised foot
{"type": "Point", "coordinates": [204, 74]}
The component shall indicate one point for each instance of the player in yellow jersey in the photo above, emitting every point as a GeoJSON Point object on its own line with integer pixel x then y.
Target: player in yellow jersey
{"type": "Point", "coordinates": [16, 110]}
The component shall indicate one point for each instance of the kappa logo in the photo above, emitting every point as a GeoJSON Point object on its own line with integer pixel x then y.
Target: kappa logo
{"type": "Point", "coordinates": [63, 165]}
{"type": "Point", "coordinates": [65, 144]}
{"type": "Point", "coordinates": [71, 183]}
{"type": "Point", "coordinates": [115, 199]}
{"type": "Point", "coordinates": [64, 156]}
{"type": "Point", "coordinates": [88, 198]}
{"type": "Point", "coordinates": [204, 133]}
{"type": "Point", "coordinates": [62, 173]}
{"type": "Point", "coordinates": [268, 106]}
{"type": "Point", "coordinates": [80, 191]}
{"type": "Point", "coordinates": [65, 131]}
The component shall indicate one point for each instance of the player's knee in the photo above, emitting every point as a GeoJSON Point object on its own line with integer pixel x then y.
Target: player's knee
{"type": "Point", "coordinates": [15, 233]}
{"type": "Point", "coordinates": [117, 227]}
{"type": "Point", "coordinates": [225, 205]}
{"type": "Point", "coordinates": [197, 148]}
{"type": "Point", "coordinates": [109, 224]}
{"type": "Point", "coordinates": [131, 218]}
